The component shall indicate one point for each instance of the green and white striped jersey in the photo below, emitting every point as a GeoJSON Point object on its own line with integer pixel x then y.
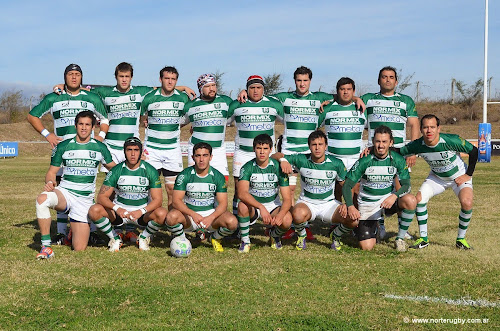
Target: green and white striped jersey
{"type": "Point", "coordinates": [377, 175]}
{"type": "Point", "coordinates": [317, 180]}
{"type": "Point", "coordinates": [132, 186]}
{"type": "Point", "coordinates": [254, 118]}
{"type": "Point", "coordinates": [301, 118]}
{"type": "Point", "coordinates": [200, 191]}
{"type": "Point", "coordinates": [80, 163]}
{"type": "Point", "coordinates": [443, 158]}
{"type": "Point", "coordinates": [264, 182]}
{"type": "Point", "coordinates": [164, 119]}
{"type": "Point", "coordinates": [344, 127]}
{"type": "Point", "coordinates": [123, 112]}
{"type": "Point", "coordinates": [208, 120]}
{"type": "Point", "coordinates": [64, 107]}
{"type": "Point", "coordinates": [392, 111]}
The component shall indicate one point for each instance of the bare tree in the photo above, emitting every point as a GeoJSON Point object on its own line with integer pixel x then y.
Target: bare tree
{"type": "Point", "coordinates": [404, 81]}
{"type": "Point", "coordinates": [469, 95]}
{"type": "Point", "coordinates": [12, 106]}
{"type": "Point", "coordinates": [273, 83]}
{"type": "Point", "coordinates": [218, 81]}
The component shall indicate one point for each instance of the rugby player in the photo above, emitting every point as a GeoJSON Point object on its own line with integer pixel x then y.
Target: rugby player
{"type": "Point", "coordinates": [377, 171]}
{"type": "Point", "coordinates": [261, 181]}
{"type": "Point", "coordinates": [252, 118]}
{"type": "Point", "coordinates": [163, 109]}
{"type": "Point", "coordinates": [318, 173]}
{"type": "Point", "coordinates": [200, 200]}
{"type": "Point", "coordinates": [208, 116]}
{"type": "Point", "coordinates": [138, 198]}
{"type": "Point", "coordinates": [442, 152]}
{"type": "Point", "coordinates": [344, 125]}
{"type": "Point", "coordinates": [64, 107]}
{"type": "Point", "coordinates": [79, 158]}
{"type": "Point", "coordinates": [394, 110]}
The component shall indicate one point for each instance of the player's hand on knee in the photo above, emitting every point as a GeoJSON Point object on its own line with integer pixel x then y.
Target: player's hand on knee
{"type": "Point", "coordinates": [411, 160]}
{"type": "Point", "coordinates": [353, 213]}
{"type": "Point", "coordinates": [389, 201]}
{"type": "Point", "coordinates": [266, 217]}
{"type": "Point", "coordinates": [343, 210]}
{"type": "Point", "coordinates": [49, 186]}
{"type": "Point", "coordinates": [462, 179]}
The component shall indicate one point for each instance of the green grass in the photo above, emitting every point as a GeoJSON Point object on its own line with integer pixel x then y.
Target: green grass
{"type": "Point", "coordinates": [287, 290]}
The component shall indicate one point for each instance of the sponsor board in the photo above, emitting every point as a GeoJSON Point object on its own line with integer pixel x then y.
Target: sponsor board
{"type": "Point", "coordinates": [8, 149]}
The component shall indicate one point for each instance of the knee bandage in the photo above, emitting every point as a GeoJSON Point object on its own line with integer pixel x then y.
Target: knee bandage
{"type": "Point", "coordinates": [42, 209]}
{"type": "Point", "coordinates": [426, 192]}
{"type": "Point", "coordinates": [292, 180]}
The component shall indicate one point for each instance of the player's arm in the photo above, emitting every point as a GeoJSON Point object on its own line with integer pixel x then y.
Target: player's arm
{"type": "Point", "coordinates": [103, 198]}
{"type": "Point", "coordinates": [156, 200]}
{"type": "Point", "coordinates": [50, 178]}
{"type": "Point", "coordinates": [473, 156]}
{"type": "Point", "coordinates": [286, 204]}
{"type": "Point", "coordinates": [219, 210]}
{"type": "Point", "coordinates": [191, 93]}
{"type": "Point", "coordinates": [37, 124]}
{"type": "Point", "coordinates": [109, 165]}
{"type": "Point", "coordinates": [414, 127]}
{"type": "Point", "coordinates": [285, 165]}
{"type": "Point", "coordinates": [178, 203]}
{"type": "Point", "coordinates": [248, 199]}
{"type": "Point", "coordinates": [352, 211]}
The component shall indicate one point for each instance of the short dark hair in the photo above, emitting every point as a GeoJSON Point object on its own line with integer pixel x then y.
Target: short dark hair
{"type": "Point", "coordinates": [382, 130]}
{"type": "Point", "coordinates": [303, 71]}
{"type": "Point", "coordinates": [345, 81]}
{"type": "Point", "coordinates": [86, 113]}
{"type": "Point", "coordinates": [263, 139]}
{"type": "Point", "coordinates": [202, 145]}
{"type": "Point", "coordinates": [124, 67]}
{"type": "Point", "coordinates": [169, 69]}
{"type": "Point", "coordinates": [315, 135]}
{"type": "Point", "coordinates": [428, 117]}
{"type": "Point", "coordinates": [390, 69]}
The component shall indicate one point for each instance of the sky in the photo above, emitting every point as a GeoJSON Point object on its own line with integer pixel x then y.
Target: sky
{"type": "Point", "coordinates": [434, 40]}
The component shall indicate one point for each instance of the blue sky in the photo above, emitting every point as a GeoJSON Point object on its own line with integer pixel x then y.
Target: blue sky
{"type": "Point", "coordinates": [437, 40]}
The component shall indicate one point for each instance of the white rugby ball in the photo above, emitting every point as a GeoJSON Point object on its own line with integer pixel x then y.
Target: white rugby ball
{"type": "Point", "coordinates": [180, 247]}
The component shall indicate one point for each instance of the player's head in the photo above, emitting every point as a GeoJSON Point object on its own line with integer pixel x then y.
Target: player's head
{"type": "Point", "coordinates": [84, 123]}
{"type": "Point", "coordinates": [302, 77]}
{"type": "Point", "coordinates": [73, 76]}
{"type": "Point", "coordinates": [345, 90]}
{"type": "Point", "coordinates": [430, 129]}
{"type": "Point", "coordinates": [387, 79]}
{"type": "Point", "coordinates": [317, 142]}
{"type": "Point", "coordinates": [133, 150]}
{"type": "Point", "coordinates": [168, 79]}
{"type": "Point", "coordinates": [255, 88]}
{"type": "Point", "coordinates": [202, 155]}
{"type": "Point", "coordinates": [123, 74]}
{"type": "Point", "coordinates": [262, 145]}
{"type": "Point", "coordinates": [207, 86]}
{"type": "Point", "coordinates": [382, 141]}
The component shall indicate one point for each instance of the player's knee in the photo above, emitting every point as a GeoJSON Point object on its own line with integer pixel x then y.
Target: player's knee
{"type": "Point", "coordinates": [173, 217]}
{"type": "Point", "coordinates": [410, 201]}
{"type": "Point", "coordinates": [243, 209]}
{"type": "Point", "coordinates": [466, 203]}
{"type": "Point", "coordinates": [366, 245]}
{"type": "Point", "coordinates": [231, 222]}
{"type": "Point", "coordinates": [161, 214]}
{"type": "Point", "coordinates": [45, 201]}
{"type": "Point", "coordinates": [95, 212]}
{"type": "Point", "coordinates": [287, 220]}
{"type": "Point", "coordinates": [299, 215]}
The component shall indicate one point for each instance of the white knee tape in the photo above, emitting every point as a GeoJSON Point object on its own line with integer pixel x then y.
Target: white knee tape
{"type": "Point", "coordinates": [292, 180]}
{"type": "Point", "coordinates": [426, 192]}
{"type": "Point", "coordinates": [170, 180]}
{"type": "Point", "coordinates": [42, 209]}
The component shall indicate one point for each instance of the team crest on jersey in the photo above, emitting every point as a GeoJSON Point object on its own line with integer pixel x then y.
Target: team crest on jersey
{"type": "Point", "coordinates": [397, 103]}
{"type": "Point", "coordinates": [132, 98]}
{"type": "Point", "coordinates": [329, 174]}
{"type": "Point", "coordinates": [265, 110]}
{"type": "Point", "coordinates": [354, 113]}
{"type": "Point", "coordinates": [217, 106]}
{"type": "Point", "coordinates": [270, 177]}
{"type": "Point", "coordinates": [211, 187]}
{"type": "Point", "coordinates": [312, 103]}
{"type": "Point", "coordinates": [391, 170]}
{"type": "Point", "coordinates": [142, 180]}
{"type": "Point", "coordinates": [92, 154]}
{"type": "Point", "coordinates": [444, 155]}
{"type": "Point", "coordinates": [84, 104]}
{"type": "Point", "coordinates": [176, 105]}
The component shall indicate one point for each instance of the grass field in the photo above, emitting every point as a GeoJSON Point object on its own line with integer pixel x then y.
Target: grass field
{"type": "Point", "coordinates": [286, 290]}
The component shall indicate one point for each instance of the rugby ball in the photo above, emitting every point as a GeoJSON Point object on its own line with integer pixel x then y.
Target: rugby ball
{"type": "Point", "coordinates": [180, 247]}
